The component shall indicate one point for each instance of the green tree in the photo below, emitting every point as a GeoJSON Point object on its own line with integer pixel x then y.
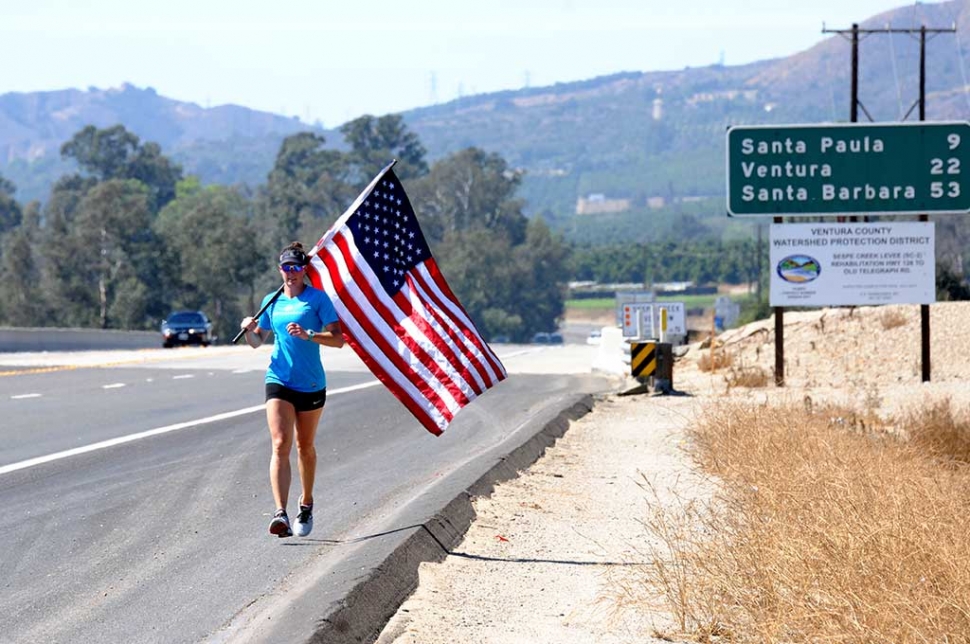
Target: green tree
{"type": "Point", "coordinates": [477, 267]}
{"type": "Point", "coordinates": [950, 286]}
{"type": "Point", "coordinates": [157, 172]}
{"type": "Point", "coordinates": [116, 153]}
{"type": "Point", "coordinates": [540, 282]}
{"type": "Point", "coordinates": [64, 271]}
{"type": "Point", "coordinates": [10, 212]}
{"type": "Point", "coordinates": [211, 235]}
{"type": "Point", "coordinates": [22, 303]}
{"type": "Point", "coordinates": [509, 273]}
{"type": "Point", "coordinates": [104, 154]}
{"type": "Point", "coordinates": [99, 247]}
{"type": "Point", "coordinates": [306, 190]}
{"type": "Point", "coordinates": [470, 189]}
{"type": "Point", "coordinates": [374, 141]}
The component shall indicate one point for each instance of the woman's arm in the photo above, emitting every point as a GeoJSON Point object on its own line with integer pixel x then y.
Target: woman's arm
{"type": "Point", "coordinates": [331, 336]}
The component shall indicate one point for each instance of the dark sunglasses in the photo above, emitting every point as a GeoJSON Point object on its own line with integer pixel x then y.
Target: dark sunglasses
{"type": "Point", "coordinates": [291, 268]}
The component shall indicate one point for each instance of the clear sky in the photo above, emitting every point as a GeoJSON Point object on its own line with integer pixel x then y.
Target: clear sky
{"type": "Point", "coordinates": [334, 60]}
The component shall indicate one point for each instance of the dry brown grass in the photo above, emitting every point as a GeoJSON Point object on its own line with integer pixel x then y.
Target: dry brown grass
{"type": "Point", "coordinates": [940, 431]}
{"type": "Point", "coordinates": [746, 376]}
{"type": "Point", "coordinates": [823, 530]}
{"type": "Point", "coordinates": [714, 360]}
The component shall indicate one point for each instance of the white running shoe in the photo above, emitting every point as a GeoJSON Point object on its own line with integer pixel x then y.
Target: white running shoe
{"type": "Point", "coordinates": [304, 521]}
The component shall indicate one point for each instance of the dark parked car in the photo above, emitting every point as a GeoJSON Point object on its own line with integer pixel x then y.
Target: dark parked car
{"type": "Point", "coordinates": [547, 338]}
{"type": "Point", "coordinates": [186, 327]}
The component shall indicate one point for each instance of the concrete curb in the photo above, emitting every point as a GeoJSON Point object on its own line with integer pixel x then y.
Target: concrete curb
{"type": "Point", "coordinates": [362, 614]}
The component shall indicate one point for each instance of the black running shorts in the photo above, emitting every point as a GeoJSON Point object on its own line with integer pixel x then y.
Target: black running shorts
{"type": "Point", "coordinates": [301, 400]}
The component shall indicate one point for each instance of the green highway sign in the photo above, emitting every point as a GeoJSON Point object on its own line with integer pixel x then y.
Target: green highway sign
{"type": "Point", "coordinates": [848, 169]}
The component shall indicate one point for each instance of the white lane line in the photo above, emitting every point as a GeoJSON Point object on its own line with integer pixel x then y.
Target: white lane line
{"type": "Point", "coordinates": [22, 396]}
{"type": "Point", "coordinates": [117, 385]}
{"type": "Point", "coordinates": [183, 376]}
{"type": "Point", "coordinates": [121, 440]}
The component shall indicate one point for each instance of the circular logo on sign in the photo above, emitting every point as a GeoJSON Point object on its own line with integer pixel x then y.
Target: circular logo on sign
{"type": "Point", "coordinates": [798, 269]}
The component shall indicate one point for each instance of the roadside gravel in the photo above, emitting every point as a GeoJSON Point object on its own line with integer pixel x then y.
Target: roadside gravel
{"type": "Point", "coordinates": [545, 559]}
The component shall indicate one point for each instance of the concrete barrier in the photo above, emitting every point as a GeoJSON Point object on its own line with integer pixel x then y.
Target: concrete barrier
{"type": "Point", "coordinates": [613, 356]}
{"type": "Point", "coordinates": [19, 339]}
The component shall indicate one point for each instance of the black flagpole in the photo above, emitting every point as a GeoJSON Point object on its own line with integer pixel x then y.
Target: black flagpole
{"type": "Point", "coordinates": [260, 312]}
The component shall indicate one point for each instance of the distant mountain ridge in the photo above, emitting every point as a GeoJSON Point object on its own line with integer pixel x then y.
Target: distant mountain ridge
{"type": "Point", "coordinates": [36, 124]}
{"type": "Point", "coordinates": [650, 137]}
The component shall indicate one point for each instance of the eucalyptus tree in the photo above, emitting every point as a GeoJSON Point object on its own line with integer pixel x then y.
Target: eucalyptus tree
{"type": "Point", "coordinates": [508, 273]}
{"type": "Point", "coordinates": [63, 269]}
{"type": "Point", "coordinates": [306, 191]}
{"type": "Point", "coordinates": [22, 300]}
{"type": "Point", "coordinates": [212, 238]}
{"type": "Point", "coordinates": [471, 189]}
{"type": "Point", "coordinates": [477, 264]}
{"type": "Point", "coordinates": [540, 281]}
{"type": "Point", "coordinates": [374, 141]}
{"type": "Point", "coordinates": [101, 245]}
{"type": "Point", "coordinates": [10, 211]}
{"type": "Point", "coordinates": [116, 153]}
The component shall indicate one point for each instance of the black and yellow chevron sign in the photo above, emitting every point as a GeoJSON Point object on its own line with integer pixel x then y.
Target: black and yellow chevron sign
{"type": "Point", "coordinates": [643, 359]}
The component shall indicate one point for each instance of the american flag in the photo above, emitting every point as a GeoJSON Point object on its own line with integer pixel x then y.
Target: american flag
{"type": "Point", "coordinates": [397, 311]}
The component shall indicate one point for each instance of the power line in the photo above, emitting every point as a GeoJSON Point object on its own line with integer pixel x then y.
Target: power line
{"type": "Point", "coordinates": [854, 33]}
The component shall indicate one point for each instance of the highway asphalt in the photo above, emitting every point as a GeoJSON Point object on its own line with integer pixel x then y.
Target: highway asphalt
{"type": "Point", "coordinates": [134, 494]}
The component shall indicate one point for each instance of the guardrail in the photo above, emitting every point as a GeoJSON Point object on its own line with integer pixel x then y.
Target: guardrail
{"type": "Point", "coordinates": [14, 339]}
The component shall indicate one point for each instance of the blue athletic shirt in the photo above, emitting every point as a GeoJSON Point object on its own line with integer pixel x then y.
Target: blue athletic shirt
{"type": "Point", "coordinates": [295, 362]}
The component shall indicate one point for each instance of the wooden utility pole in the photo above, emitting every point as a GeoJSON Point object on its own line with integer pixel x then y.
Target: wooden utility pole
{"type": "Point", "coordinates": [854, 32]}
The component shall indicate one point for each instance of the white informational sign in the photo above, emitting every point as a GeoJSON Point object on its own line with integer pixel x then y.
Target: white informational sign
{"type": "Point", "coordinates": [631, 297]}
{"type": "Point", "coordinates": [676, 318]}
{"type": "Point", "coordinates": [643, 320]}
{"type": "Point", "coordinates": [632, 319]}
{"type": "Point", "coordinates": [845, 264]}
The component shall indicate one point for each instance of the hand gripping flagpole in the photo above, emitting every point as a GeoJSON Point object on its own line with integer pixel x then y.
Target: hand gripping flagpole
{"type": "Point", "coordinates": [323, 240]}
{"type": "Point", "coordinates": [260, 312]}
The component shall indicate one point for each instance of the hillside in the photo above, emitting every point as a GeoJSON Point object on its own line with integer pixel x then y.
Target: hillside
{"type": "Point", "coordinates": [653, 138]}
{"type": "Point", "coordinates": [223, 144]}
{"type": "Point", "coordinates": [603, 136]}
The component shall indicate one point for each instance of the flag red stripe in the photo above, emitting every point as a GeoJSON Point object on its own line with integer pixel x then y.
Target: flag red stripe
{"type": "Point", "coordinates": [376, 368]}
{"type": "Point", "coordinates": [473, 364]}
{"type": "Point", "coordinates": [440, 341]}
{"type": "Point", "coordinates": [394, 322]}
{"type": "Point", "coordinates": [383, 337]}
{"type": "Point", "coordinates": [444, 338]}
{"type": "Point", "coordinates": [396, 364]}
{"type": "Point", "coordinates": [425, 387]}
{"type": "Point", "coordinates": [470, 336]}
{"type": "Point", "coordinates": [467, 327]}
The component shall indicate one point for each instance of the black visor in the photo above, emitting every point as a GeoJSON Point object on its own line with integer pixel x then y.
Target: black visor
{"type": "Point", "coordinates": [294, 256]}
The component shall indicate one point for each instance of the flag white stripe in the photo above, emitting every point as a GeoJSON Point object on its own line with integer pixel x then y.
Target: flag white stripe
{"type": "Point", "coordinates": [416, 334]}
{"type": "Point", "coordinates": [459, 314]}
{"type": "Point", "coordinates": [378, 323]}
{"type": "Point", "coordinates": [401, 380]}
{"type": "Point", "coordinates": [364, 335]}
{"type": "Point", "coordinates": [421, 302]}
